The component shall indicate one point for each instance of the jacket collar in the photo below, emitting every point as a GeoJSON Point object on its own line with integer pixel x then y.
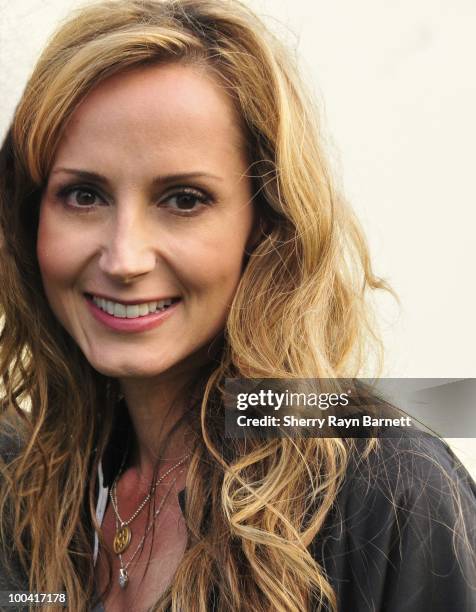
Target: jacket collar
{"type": "Point", "coordinates": [119, 445]}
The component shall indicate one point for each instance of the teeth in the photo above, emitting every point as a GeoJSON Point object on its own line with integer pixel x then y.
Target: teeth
{"type": "Point", "coordinates": [120, 310]}
{"type": "Point", "coordinates": [131, 311]}
{"type": "Point", "coordinates": [163, 303]}
{"type": "Point", "coordinates": [143, 310]}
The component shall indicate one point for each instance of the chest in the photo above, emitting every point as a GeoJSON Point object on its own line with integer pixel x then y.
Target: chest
{"type": "Point", "coordinates": [150, 564]}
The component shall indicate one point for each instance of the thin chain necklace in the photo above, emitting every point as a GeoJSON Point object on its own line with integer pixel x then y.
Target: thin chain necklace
{"type": "Point", "coordinates": [123, 534]}
{"type": "Point", "coordinates": [123, 574]}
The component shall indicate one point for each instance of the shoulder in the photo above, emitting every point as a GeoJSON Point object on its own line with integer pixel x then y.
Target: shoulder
{"type": "Point", "coordinates": [402, 533]}
{"type": "Point", "coordinates": [408, 471]}
{"type": "Point", "coordinates": [12, 436]}
{"type": "Point", "coordinates": [12, 439]}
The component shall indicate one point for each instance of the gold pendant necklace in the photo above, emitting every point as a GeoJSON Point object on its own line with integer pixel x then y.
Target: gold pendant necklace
{"type": "Point", "coordinates": [122, 539]}
{"type": "Point", "coordinates": [123, 575]}
{"type": "Point", "coordinates": [123, 535]}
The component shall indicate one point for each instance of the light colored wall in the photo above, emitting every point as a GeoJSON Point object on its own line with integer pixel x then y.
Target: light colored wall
{"type": "Point", "coordinates": [397, 89]}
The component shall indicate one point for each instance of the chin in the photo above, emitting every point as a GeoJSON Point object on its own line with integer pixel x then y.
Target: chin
{"type": "Point", "coordinates": [146, 363]}
{"type": "Point", "coordinates": [129, 369]}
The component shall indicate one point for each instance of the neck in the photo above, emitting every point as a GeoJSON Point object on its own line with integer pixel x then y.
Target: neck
{"type": "Point", "coordinates": [154, 408]}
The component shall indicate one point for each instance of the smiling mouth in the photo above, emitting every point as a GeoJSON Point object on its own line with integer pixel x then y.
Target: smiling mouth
{"type": "Point", "coordinates": [131, 311]}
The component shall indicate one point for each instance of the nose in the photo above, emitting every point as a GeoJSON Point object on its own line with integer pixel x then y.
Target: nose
{"type": "Point", "coordinates": [128, 250]}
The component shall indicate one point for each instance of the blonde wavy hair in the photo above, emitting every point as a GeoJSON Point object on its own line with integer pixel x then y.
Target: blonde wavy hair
{"type": "Point", "coordinates": [300, 311]}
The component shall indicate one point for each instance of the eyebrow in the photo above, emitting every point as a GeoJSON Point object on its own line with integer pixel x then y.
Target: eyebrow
{"type": "Point", "coordinates": [163, 179]}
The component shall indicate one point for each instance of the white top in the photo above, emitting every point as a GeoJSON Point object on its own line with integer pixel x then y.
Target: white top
{"type": "Point", "coordinates": [100, 507]}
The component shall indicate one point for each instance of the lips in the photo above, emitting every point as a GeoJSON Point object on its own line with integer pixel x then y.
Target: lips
{"type": "Point", "coordinates": [121, 310]}
{"type": "Point", "coordinates": [128, 318]}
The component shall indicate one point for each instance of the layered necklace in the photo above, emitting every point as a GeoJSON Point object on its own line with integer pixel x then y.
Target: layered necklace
{"type": "Point", "coordinates": [123, 535]}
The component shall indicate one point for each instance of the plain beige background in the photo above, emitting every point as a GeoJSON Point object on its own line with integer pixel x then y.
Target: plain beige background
{"type": "Point", "coordinates": [396, 88]}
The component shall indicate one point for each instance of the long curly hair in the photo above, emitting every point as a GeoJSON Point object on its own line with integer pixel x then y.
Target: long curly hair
{"type": "Point", "coordinates": [300, 310]}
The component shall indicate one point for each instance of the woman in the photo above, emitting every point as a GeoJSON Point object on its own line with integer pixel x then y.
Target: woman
{"type": "Point", "coordinates": [169, 221]}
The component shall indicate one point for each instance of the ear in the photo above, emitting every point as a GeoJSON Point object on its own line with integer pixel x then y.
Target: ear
{"type": "Point", "coordinates": [261, 228]}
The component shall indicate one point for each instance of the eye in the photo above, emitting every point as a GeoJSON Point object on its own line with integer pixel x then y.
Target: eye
{"type": "Point", "coordinates": [80, 197]}
{"type": "Point", "coordinates": [186, 201]}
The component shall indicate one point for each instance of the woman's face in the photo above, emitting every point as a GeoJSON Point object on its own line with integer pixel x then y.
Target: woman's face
{"type": "Point", "coordinates": [145, 220]}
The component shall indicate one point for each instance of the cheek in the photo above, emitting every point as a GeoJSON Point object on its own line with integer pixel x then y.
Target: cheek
{"type": "Point", "coordinates": [47, 248]}
{"type": "Point", "coordinates": [213, 265]}
{"type": "Point", "coordinates": [57, 250]}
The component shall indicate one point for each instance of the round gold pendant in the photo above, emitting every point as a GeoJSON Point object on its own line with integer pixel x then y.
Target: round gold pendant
{"type": "Point", "coordinates": [122, 540]}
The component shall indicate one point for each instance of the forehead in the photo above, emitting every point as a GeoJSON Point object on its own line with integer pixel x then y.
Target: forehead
{"type": "Point", "coordinates": [156, 111]}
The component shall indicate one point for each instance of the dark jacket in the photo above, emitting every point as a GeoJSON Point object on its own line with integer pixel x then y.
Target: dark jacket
{"type": "Point", "coordinates": [395, 540]}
